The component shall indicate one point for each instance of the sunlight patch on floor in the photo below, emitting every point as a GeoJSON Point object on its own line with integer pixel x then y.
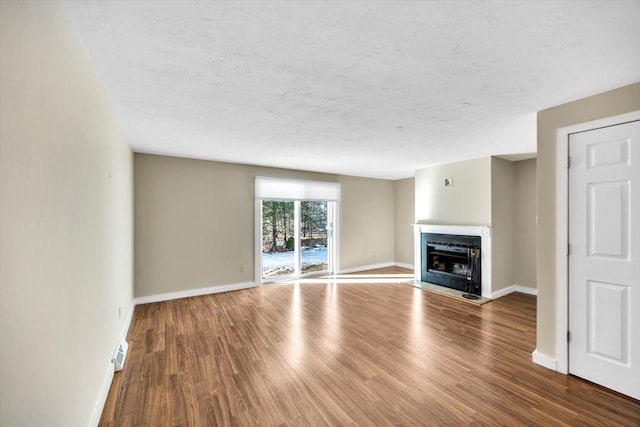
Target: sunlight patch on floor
{"type": "Point", "coordinates": [354, 278]}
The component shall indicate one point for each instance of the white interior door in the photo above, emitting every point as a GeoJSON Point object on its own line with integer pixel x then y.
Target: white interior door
{"type": "Point", "coordinates": [604, 257]}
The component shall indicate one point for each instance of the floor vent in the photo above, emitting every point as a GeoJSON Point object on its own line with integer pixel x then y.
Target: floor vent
{"type": "Point", "coordinates": [120, 355]}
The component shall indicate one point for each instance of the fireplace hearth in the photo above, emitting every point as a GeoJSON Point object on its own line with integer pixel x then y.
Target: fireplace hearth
{"type": "Point", "coordinates": [452, 261]}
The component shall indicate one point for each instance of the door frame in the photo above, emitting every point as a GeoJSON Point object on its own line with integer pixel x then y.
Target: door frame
{"type": "Point", "coordinates": [562, 228]}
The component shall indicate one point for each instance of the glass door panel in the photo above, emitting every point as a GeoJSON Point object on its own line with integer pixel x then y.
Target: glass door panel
{"type": "Point", "coordinates": [314, 244]}
{"type": "Point", "coordinates": [279, 256]}
{"type": "Point", "coordinates": [297, 238]}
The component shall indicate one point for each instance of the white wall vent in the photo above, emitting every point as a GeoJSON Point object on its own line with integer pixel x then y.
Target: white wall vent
{"type": "Point", "coordinates": [120, 355]}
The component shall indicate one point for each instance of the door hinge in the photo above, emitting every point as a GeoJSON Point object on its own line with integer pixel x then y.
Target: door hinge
{"type": "Point", "coordinates": [568, 162]}
{"type": "Point", "coordinates": [568, 336]}
{"type": "Point", "coordinates": [568, 249]}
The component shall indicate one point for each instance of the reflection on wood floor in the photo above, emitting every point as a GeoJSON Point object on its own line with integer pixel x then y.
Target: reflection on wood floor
{"type": "Point", "coordinates": [347, 354]}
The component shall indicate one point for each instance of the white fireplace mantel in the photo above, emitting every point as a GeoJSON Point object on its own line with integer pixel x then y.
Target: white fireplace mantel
{"type": "Point", "coordinates": [465, 230]}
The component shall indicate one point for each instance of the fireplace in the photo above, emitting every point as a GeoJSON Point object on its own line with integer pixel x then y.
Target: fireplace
{"type": "Point", "coordinates": [463, 255]}
{"type": "Point", "coordinates": [452, 260]}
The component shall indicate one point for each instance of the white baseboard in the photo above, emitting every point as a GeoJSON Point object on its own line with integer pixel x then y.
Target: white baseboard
{"type": "Point", "coordinates": [513, 288]}
{"type": "Point", "coordinates": [525, 290]}
{"type": "Point", "coordinates": [403, 265]}
{"type": "Point", "coordinates": [238, 286]}
{"type": "Point", "coordinates": [102, 396]}
{"type": "Point", "coordinates": [544, 360]}
{"type": "Point", "coordinates": [193, 292]}
{"type": "Point", "coordinates": [367, 267]}
{"type": "Point", "coordinates": [108, 378]}
{"type": "Point", "coordinates": [502, 292]}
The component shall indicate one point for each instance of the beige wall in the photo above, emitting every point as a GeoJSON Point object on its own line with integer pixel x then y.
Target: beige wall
{"type": "Point", "coordinates": [488, 191]}
{"type": "Point", "coordinates": [195, 222]}
{"type": "Point", "coordinates": [525, 224]}
{"type": "Point", "coordinates": [404, 193]}
{"type": "Point", "coordinates": [367, 222]}
{"type": "Point", "coordinates": [467, 202]}
{"type": "Point", "coordinates": [66, 222]}
{"type": "Point", "coordinates": [618, 101]}
{"type": "Point", "coordinates": [502, 223]}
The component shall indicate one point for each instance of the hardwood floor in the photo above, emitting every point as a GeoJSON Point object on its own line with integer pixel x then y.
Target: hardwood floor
{"type": "Point", "coordinates": [347, 354]}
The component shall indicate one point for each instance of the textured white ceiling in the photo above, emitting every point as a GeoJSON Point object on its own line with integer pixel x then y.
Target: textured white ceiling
{"type": "Point", "coordinates": [374, 89]}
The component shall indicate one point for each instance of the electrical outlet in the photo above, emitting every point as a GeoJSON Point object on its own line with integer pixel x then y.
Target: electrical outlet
{"type": "Point", "coordinates": [448, 182]}
{"type": "Point", "coordinates": [120, 312]}
{"type": "Point", "coordinates": [243, 268]}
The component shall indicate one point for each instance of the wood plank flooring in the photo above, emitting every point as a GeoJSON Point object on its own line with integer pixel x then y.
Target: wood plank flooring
{"type": "Point", "coordinates": [347, 354]}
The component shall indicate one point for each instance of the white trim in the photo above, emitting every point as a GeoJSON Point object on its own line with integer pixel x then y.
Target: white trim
{"type": "Point", "coordinates": [525, 290]}
{"type": "Point", "coordinates": [108, 378]}
{"type": "Point", "coordinates": [335, 244]}
{"type": "Point", "coordinates": [513, 288]}
{"type": "Point", "coordinates": [562, 227]}
{"type": "Point", "coordinates": [404, 265]}
{"type": "Point", "coordinates": [297, 267]}
{"type": "Point", "coordinates": [562, 242]}
{"type": "Point", "coordinates": [194, 292]}
{"type": "Point", "coordinates": [102, 395]}
{"type": "Point", "coordinates": [544, 360]}
{"type": "Point", "coordinates": [257, 238]}
{"type": "Point", "coordinates": [502, 292]}
{"type": "Point", "coordinates": [367, 267]}
{"type": "Point", "coordinates": [466, 230]}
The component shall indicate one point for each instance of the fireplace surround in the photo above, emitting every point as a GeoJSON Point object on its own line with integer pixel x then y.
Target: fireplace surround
{"type": "Point", "coordinates": [446, 255]}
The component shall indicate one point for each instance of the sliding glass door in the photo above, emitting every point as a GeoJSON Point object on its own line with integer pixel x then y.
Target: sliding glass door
{"type": "Point", "coordinates": [314, 247]}
{"type": "Point", "coordinates": [278, 238]}
{"type": "Point", "coordinates": [297, 238]}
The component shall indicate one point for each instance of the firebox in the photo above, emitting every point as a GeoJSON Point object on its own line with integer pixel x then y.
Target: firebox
{"type": "Point", "coordinates": [452, 260]}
